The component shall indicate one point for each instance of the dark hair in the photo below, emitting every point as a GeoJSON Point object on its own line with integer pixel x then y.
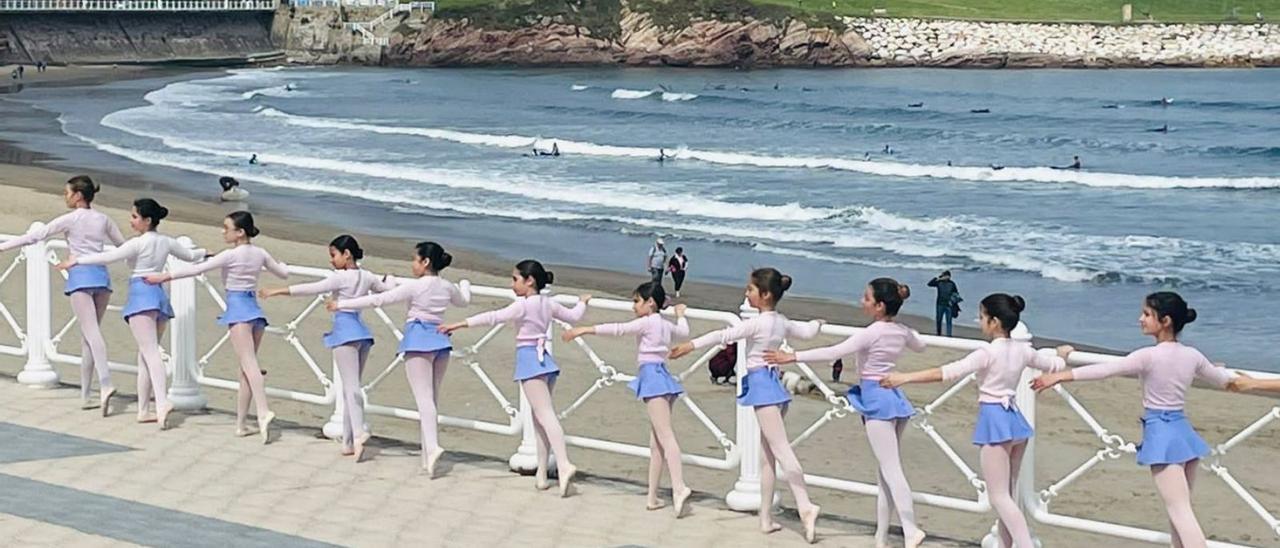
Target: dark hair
{"type": "Point", "coordinates": [85, 186]}
{"type": "Point", "coordinates": [228, 183]}
{"type": "Point", "coordinates": [769, 280]}
{"type": "Point", "coordinates": [1006, 308]}
{"type": "Point", "coordinates": [348, 243]}
{"type": "Point", "coordinates": [651, 290]}
{"type": "Point", "coordinates": [437, 258]}
{"type": "Point", "coordinates": [150, 209]}
{"type": "Point", "coordinates": [1168, 304]}
{"type": "Point", "coordinates": [890, 293]}
{"type": "Point", "coordinates": [243, 220]}
{"type": "Point", "coordinates": [679, 250]}
{"type": "Point", "coordinates": [530, 268]}
{"type": "Point", "coordinates": [946, 272]}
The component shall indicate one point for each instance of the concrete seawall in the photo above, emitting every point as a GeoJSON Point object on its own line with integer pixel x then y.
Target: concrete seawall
{"type": "Point", "coordinates": [212, 37]}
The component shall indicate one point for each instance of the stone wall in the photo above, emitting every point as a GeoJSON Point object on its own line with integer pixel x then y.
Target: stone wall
{"type": "Point", "coordinates": [913, 42]}
{"type": "Point", "coordinates": [133, 37]}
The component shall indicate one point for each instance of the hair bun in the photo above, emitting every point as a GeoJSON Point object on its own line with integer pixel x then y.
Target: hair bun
{"type": "Point", "coordinates": [786, 282]}
{"type": "Point", "coordinates": [162, 213]}
{"type": "Point", "coordinates": [551, 277]}
{"type": "Point", "coordinates": [445, 260]}
{"type": "Point", "coordinates": [1019, 304]}
{"type": "Point", "coordinates": [252, 232]}
{"type": "Point", "coordinates": [1191, 314]}
{"type": "Point", "coordinates": [904, 291]}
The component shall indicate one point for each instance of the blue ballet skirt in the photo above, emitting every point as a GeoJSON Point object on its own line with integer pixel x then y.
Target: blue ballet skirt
{"type": "Point", "coordinates": [347, 328]}
{"type": "Point", "coordinates": [528, 366]}
{"type": "Point", "coordinates": [1169, 438]}
{"type": "Point", "coordinates": [653, 380]}
{"type": "Point", "coordinates": [84, 277]}
{"type": "Point", "coordinates": [420, 336]}
{"type": "Point", "coordinates": [876, 402]}
{"type": "Point", "coordinates": [761, 386]}
{"type": "Point", "coordinates": [242, 307]}
{"type": "Point", "coordinates": [999, 424]}
{"type": "Point", "coordinates": [144, 297]}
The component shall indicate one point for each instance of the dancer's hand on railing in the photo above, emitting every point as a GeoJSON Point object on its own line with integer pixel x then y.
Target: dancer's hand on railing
{"type": "Point", "coordinates": [778, 357]}
{"type": "Point", "coordinates": [157, 278]}
{"type": "Point", "coordinates": [584, 298]}
{"type": "Point", "coordinates": [266, 293]}
{"type": "Point", "coordinates": [576, 332]}
{"type": "Point", "coordinates": [1065, 350]}
{"type": "Point", "coordinates": [680, 350]}
{"type": "Point", "coordinates": [1049, 380]}
{"type": "Point", "coordinates": [680, 308]}
{"type": "Point", "coordinates": [450, 328]}
{"type": "Point", "coordinates": [67, 264]}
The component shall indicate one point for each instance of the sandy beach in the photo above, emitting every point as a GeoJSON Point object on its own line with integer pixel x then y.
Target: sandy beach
{"type": "Point", "coordinates": [1116, 490]}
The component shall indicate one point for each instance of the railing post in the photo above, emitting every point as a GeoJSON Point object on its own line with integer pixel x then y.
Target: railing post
{"type": "Point", "coordinates": [184, 391]}
{"type": "Point", "coordinates": [525, 459]}
{"type": "Point", "coordinates": [1024, 489]}
{"type": "Point", "coordinates": [745, 495]}
{"type": "Point", "coordinates": [38, 372]}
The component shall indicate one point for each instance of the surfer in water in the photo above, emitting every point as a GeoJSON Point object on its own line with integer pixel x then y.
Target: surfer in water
{"type": "Point", "coordinates": [980, 111]}
{"type": "Point", "coordinates": [888, 150]}
{"type": "Point", "coordinates": [1161, 129]}
{"type": "Point", "coordinates": [866, 157]}
{"type": "Point", "coordinates": [555, 151]}
{"type": "Point", "coordinates": [253, 160]}
{"type": "Point", "coordinates": [1075, 164]}
{"type": "Point", "coordinates": [996, 167]}
{"type": "Point", "coordinates": [916, 105]}
{"type": "Point", "coordinates": [663, 156]}
{"type": "Point", "coordinates": [1165, 101]}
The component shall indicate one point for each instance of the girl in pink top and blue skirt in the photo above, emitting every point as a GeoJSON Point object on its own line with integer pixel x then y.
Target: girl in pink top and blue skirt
{"type": "Point", "coordinates": [424, 348]}
{"type": "Point", "coordinates": [536, 369]}
{"type": "Point", "coordinates": [653, 384]}
{"type": "Point", "coordinates": [1170, 445]}
{"type": "Point", "coordinates": [240, 266]}
{"type": "Point", "coordinates": [1001, 431]}
{"type": "Point", "coordinates": [88, 286]}
{"type": "Point", "coordinates": [884, 410]}
{"type": "Point", "coordinates": [764, 393]}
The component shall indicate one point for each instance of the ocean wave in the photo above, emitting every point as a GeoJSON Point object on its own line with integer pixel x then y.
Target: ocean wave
{"type": "Point", "coordinates": [579, 87]}
{"type": "Point", "coordinates": [621, 93]}
{"type": "Point", "coordinates": [979, 174]}
{"type": "Point", "coordinates": [672, 97]}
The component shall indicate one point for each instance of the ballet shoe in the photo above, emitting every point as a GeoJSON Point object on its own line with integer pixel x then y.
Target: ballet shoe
{"type": "Point", "coordinates": [810, 521]}
{"type": "Point", "coordinates": [540, 480]}
{"type": "Point", "coordinates": [770, 528]}
{"type": "Point", "coordinates": [566, 474]}
{"type": "Point", "coordinates": [654, 505]}
{"type": "Point", "coordinates": [106, 401]}
{"type": "Point", "coordinates": [917, 540]}
{"type": "Point", "coordinates": [679, 498]}
{"type": "Point", "coordinates": [264, 426]}
{"type": "Point", "coordinates": [362, 439]}
{"type": "Point", "coordinates": [432, 459]}
{"type": "Point", "coordinates": [146, 418]}
{"type": "Point", "coordinates": [87, 404]}
{"type": "Point", "coordinates": [163, 415]}
{"type": "Point", "coordinates": [347, 451]}
{"type": "Point", "coordinates": [245, 431]}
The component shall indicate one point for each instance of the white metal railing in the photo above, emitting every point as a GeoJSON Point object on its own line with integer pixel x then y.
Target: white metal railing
{"type": "Point", "coordinates": [136, 5]}
{"type": "Point", "coordinates": [187, 362]}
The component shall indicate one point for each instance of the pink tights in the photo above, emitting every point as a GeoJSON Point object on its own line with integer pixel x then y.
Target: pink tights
{"type": "Point", "coordinates": [885, 437]}
{"type": "Point", "coordinates": [425, 371]}
{"type": "Point", "coordinates": [1000, 464]}
{"type": "Point", "coordinates": [89, 306]}
{"type": "Point", "coordinates": [245, 339]}
{"type": "Point", "coordinates": [147, 328]}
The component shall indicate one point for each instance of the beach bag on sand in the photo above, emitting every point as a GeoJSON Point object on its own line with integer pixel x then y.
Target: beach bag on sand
{"type": "Point", "coordinates": [722, 364]}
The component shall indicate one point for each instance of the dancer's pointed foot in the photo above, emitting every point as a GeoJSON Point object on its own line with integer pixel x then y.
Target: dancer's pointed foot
{"type": "Point", "coordinates": [86, 403]}
{"type": "Point", "coordinates": [264, 426]}
{"type": "Point", "coordinates": [810, 520]}
{"type": "Point", "coordinates": [654, 504]}
{"type": "Point", "coordinates": [106, 401]}
{"type": "Point", "coordinates": [362, 439]}
{"type": "Point", "coordinates": [163, 415]}
{"type": "Point", "coordinates": [348, 451]}
{"type": "Point", "coordinates": [144, 418]}
{"type": "Point", "coordinates": [916, 540]}
{"type": "Point", "coordinates": [679, 498]}
{"type": "Point", "coordinates": [432, 459]}
{"type": "Point", "coordinates": [540, 480]}
{"type": "Point", "coordinates": [566, 473]}
{"type": "Point", "coordinates": [243, 431]}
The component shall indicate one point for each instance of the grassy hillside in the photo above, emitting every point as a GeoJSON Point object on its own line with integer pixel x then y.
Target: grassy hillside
{"type": "Point", "coordinates": [596, 11]}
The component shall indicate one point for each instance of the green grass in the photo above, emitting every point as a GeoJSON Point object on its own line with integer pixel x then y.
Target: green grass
{"type": "Point", "coordinates": [594, 13]}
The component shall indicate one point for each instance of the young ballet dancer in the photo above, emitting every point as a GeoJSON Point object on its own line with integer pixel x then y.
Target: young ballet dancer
{"type": "Point", "coordinates": [240, 266]}
{"type": "Point", "coordinates": [536, 369]}
{"type": "Point", "coordinates": [1170, 445]}
{"type": "Point", "coordinates": [884, 411]}
{"type": "Point", "coordinates": [147, 311]}
{"type": "Point", "coordinates": [88, 286]}
{"type": "Point", "coordinates": [424, 347]}
{"type": "Point", "coordinates": [653, 383]}
{"type": "Point", "coordinates": [349, 339]}
{"type": "Point", "coordinates": [1001, 432]}
{"type": "Point", "coordinates": [762, 390]}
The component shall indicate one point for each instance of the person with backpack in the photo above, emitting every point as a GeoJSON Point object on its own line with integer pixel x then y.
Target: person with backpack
{"type": "Point", "coordinates": [948, 303]}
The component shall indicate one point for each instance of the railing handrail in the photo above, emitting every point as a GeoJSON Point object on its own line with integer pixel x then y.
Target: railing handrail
{"type": "Point", "coordinates": [39, 344]}
{"type": "Point", "coordinates": [135, 5]}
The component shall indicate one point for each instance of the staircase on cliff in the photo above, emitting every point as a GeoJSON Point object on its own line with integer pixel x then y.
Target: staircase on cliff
{"type": "Point", "coordinates": [373, 33]}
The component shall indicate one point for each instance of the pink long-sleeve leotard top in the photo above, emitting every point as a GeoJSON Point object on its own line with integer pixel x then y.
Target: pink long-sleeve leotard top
{"type": "Point", "coordinates": [532, 315]}
{"type": "Point", "coordinates": [876, 349]}
{"type": "Point", "coordinates": [999, 367]}
{"type": "Point", "coordinates": [1165, 370]}
{"type": "Point", "coordinates": [86, 229]}
{"type": "Point", "coordinates": [241, 266]}
{"type": "Point", "coordinates": [653, 335]}
{"type": "Point", "coordinates": [428, 298]}
{"type": "Point", "coordinates": [763, 332]}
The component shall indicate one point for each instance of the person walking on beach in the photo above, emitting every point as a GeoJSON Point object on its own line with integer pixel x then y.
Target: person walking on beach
{"type": "Point", "coordinates": [1170, 445]}
{"type": "Point", "coordinates": [241, 266]}
{"type": "Point", "coordinates": [88, 286]}
{"type": "Point", "coordinates": [654, 384]}
{"type": "Point", "coordinates": [425, 349]}
{"type": "Point", "coordinates": [147, 311]}
{"type": "Point", "coordinates": [536, 369]}
{"type": "Point", "coordinates": [884, 411]}
{"type": "Point", "coordinates": [948, 302]}
{"type": "Point", "coordinates": [657, 260]}
{"type": "Point", "coordinates": [349, 339]}
{"type": "Point", "coordinates": [764, 392]}
{"type": "Point", "coordinates": [1001, 432]}
{"type": "Point", "coordinates": [678, 266]}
